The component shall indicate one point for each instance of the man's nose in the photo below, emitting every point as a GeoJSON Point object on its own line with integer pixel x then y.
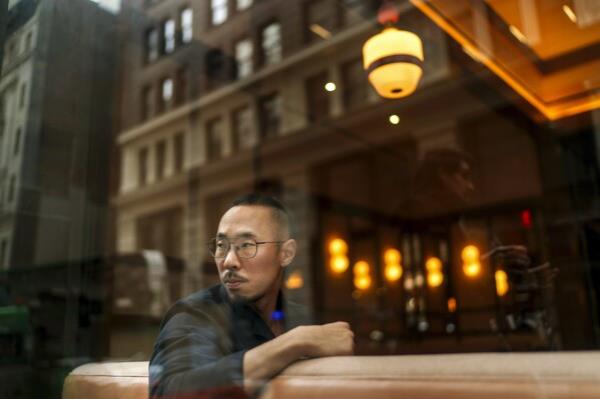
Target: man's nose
{"type": "Point", "coordinates": [232, 260]}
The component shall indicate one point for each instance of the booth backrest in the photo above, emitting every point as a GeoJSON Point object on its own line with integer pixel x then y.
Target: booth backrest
{"type": "Point", "coordinates": [555, 375]}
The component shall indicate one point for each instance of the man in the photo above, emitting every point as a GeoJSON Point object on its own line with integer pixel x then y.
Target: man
{"type": "Point", "coordinates": [230, 338]}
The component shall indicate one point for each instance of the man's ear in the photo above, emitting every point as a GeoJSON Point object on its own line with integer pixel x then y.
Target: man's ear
{"type": "Point", "coordinates": [287, 252]}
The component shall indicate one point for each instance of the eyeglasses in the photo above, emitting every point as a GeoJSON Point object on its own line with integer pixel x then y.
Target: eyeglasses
{"type": "Point", "coordinates": [246, 248]}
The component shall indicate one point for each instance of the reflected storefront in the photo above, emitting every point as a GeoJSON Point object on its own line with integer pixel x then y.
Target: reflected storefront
{"type": "Point", "coordinates": [464, 217]}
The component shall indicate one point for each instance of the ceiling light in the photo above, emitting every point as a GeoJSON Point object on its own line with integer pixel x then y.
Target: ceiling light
{"type": "Point", "coordinates": [518, 34]}
{"type": "Point", "coordinates": [393, 58]}
{"type": "Point", "coordinates": [320, 31]}
{"type": "Point", "coordinates": [330, 86]}
{"type": "Point", "coordinates": [394, 119]}
{"type": "Point", "coordinates": [569, 11]}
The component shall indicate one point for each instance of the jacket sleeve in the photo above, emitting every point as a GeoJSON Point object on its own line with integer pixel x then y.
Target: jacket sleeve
{"type": "Point", "coordinates": [192, 358]}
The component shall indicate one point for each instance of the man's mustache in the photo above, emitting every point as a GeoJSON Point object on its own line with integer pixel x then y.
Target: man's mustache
{"type": "Point", "coordinates": [231, 276]}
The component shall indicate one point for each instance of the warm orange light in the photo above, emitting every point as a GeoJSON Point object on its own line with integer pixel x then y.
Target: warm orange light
{"type": "Point", "coordinates": [552, 110]}
{"type": "Point", "coordinates": [392, 256]}
{"type": "Point", "coordinates": [362, 282]}
{"type": "Point", "coordinates": [393, 272]}
{"type": "Point", "coordinates": [435, 277]}
{"type": "Point", "coordinates": [470, 254]}
{"type": "Point", "coordinates": [294, 281]}
{"type": "Point", "coordinates": [472, 269]}
{"type": "Point", "coordinates": [339, 264]}
{"type": "Point", "coordinates": [337, 246]}
{"type": "Point", "coordinates": [393, 77]}
{"type": "Point", "coordinates": [451, 305]}
{"type": "Point", "coordinates": [471, 264]}
{"type": "Point", "coordinates": [361, 268]}
{"type": "Point", "coordinates": [501, 282]}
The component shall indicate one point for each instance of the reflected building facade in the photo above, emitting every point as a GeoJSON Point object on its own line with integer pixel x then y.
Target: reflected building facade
{"type": "Point", "coordinates": [225, 97]}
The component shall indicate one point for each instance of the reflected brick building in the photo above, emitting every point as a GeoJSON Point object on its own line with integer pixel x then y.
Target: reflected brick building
{"type": "Point", "coordinates": [223, 97]}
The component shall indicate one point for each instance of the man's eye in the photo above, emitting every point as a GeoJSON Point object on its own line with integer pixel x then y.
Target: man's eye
{"type": "Point", "coordinates": [221, 244]}
{"type": "Point", "coordinates": [246, 245]}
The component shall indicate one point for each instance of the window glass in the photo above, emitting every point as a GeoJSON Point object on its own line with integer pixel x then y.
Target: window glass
{"type": "Point", "coordinates": [152, 44]}
{"type": "Point", "coordinates": [169, 36]}
{"type": "Point", "coordinates": [243, 4]}
{"type": "Point", "coordinates": [245, 134]}
{"type": "Point", "coordinates": [187, 25]}
{"type": "Point", "coordinates": [214, 138]}
{"type": "Point", "coordinates": [271, 43]}
{"type": "Point", "coordinates": [270, 115]}
{"type": "Point", "coordinates": [444, 198]}
{"type": "Point", "coordinates": [219, 11]}
{"type": "Point", "coordinates": [243, 57]}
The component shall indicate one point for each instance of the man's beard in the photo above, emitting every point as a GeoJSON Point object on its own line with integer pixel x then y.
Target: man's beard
{"type": "Point", "coordinates": [231, 275]}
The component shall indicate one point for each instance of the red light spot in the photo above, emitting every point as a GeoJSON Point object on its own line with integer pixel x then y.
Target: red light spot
{"type": "Point", "coordinates": [526, 219]}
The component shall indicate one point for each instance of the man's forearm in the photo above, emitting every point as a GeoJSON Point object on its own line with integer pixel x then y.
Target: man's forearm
{"type": "Point", "coordinates": [265, 361]}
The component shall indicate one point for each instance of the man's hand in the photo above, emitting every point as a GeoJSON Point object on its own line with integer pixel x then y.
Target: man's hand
{"type": "Point", "coordinates": [268, 359]}
{"type": "Point", "coordinates": [333, 339]}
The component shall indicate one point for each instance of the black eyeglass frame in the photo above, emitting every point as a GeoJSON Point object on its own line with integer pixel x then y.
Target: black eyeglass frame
{"type": "Point", "coordinates": [236, 247]}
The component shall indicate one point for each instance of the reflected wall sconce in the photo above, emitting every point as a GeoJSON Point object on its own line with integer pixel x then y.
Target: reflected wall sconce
{"type": "Point", "coordinates": [393, 58]}
{"type": "Point", "coordinates": [338, 256]}
{"type": "Point", "coordinates": [392, 260]}
{"type": "Point", "coordinates": [362, 275]}
{"type": "Point", "coordinates": [471, 263]}
{"type": "Point", "coordinates": [501, 282]}
{"type": "Point", "coordinates": [435, 277]}
{"type": "Point", "coordinates": [294, 281]}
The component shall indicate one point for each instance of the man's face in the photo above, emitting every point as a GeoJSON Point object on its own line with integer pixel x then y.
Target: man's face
{"type": "Point", "coordinates": [250, 279]}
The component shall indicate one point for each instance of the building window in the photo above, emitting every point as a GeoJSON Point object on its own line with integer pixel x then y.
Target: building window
{"type": "Point", "coordinates": [214, 135]}
{"type": "Point", "coordinates": [151, 44]}
{"type": "Point", "coordinates": [355, 84]}
{"type": "Point", "coordinates": [161, 150]}
{"type": "Point", "coordinates": [271, 43]}
{"type": "Point", "coordinates": [187, 25]}
{"type": "Point", "coordinates": [317, 97]}
{"type": "Point", "coordinates": [166, 94]}
{"type": "Point", "coordinates": [17, 141]}
{"type": "Point", "coordinates": [22, 95]}
{"type": "Point", "coordinates": [219, 11]}
{"type": "Point", "coordinates": [147, 102]}
{"type": "Point", "coordinates": [181, 89]}
{"type": "Point", "coordinates": [179, 155]}
{"type": "Point", "coordinates": [243, 57]}
{"type": "Point", "coordinates": [269, 108]}
{"type": "Point", "coordinates": [243, 4]}
{"type": "Point", "coordinates": [243, 130]}
{"type": "Point", "coordinates": [320, 19]}
{"type": "Point", "coordinates": [169, 36]}
{"type": "Point", "coordinates": [11, 188]}
{"type": "Point", "coordinates": [143, 166]}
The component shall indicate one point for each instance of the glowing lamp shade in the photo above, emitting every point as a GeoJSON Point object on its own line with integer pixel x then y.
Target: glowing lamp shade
{"type": "Point", "coordinates": [435, 277]}
{"type": "Point", "coordinates": [393, 272]}
{"type": "Point", "coordinates": [337, 246]}
{"type": "Point", "coordinates": [452, 305]}
{"type": "Point", "coordinates": [501, 282]}
{"type": "Point", "coordinates": [294, 281]}
{"type": "Point", "coordinates": [471, 264]}
{"type": "Point", "coordinates": [470, 254]}
{"type": "Point", "coordinates": [338, 260]}
{"type": "Point", "coordinates": [339, 263]}
{"type": "Point", "coordinates": [472, 269]}
{"type": "Point", "coordinates": [362, 282]}
{"type": "Point", "coordinates": [361, 268]}
{"type": "Point", "coordinates": [392, 256]}
{"type": "Point", "coordinates": [393, 60]}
